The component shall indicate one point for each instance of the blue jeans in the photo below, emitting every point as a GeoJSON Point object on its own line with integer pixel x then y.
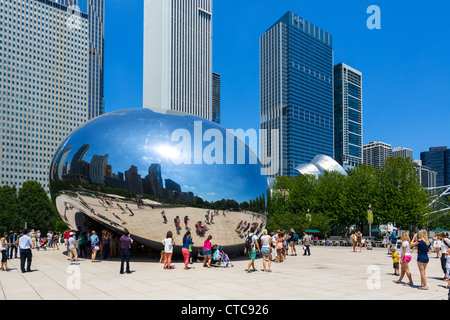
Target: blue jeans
{"type": "Point", "coordinates": [11, 252]}
{"type": "Point", "coordinates": [125, 257]}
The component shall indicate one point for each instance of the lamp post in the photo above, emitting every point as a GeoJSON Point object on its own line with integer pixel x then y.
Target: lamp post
{"type": "Point", "coordinates": [370, 217]}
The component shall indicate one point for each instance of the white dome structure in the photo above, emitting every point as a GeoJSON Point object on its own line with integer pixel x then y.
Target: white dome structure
{"type": "Point", "coordinates": [319, 165]}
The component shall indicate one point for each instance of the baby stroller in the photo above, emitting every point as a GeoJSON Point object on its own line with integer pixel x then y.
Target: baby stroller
{"type": "Point", "coordinates": [221, 258]}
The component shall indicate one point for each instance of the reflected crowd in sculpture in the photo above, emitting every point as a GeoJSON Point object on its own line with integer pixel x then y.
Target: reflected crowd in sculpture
{"type": "Point", "coordinates": [132, 170]}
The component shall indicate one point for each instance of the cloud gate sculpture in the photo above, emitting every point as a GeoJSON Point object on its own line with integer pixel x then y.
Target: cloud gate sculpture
{"type": "Point", "coordinates": [319, 165]}
{"type": "Point", "coordinates": [144, 172]}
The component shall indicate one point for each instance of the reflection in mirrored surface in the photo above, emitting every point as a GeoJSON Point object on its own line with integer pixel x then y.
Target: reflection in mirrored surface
{"type": "Point", "coordinates": [140, 170]}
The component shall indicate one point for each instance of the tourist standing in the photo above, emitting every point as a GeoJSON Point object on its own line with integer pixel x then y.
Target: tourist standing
{"type": "Point", "coordinates": [293, 238]}
{"type": "Point", "coordinates": [388, 242]}
{"type": "Point", "coordinates": [82, 244]}
{"type": "Point", "coordinates": [25, 245]}
{"type": "Point", "coordinates": [125, 246]}
{"type": "Point", "coordinates": [306, 244]}
{"type": "Point", "coordinates": [94, 245]}
{"type": "Point", "coordinates": [445, 245]}
{"type": "Point", "coordinates": [4, 250]}
{"type": "Point", "coordinates": [164, 217]}
{"type": "Point", "coordinates": [105, 241]}
{"type": "Point", "coordinates": [437, 243]}
{"type": "Point", "coordinates": [185, 249]}
{"type": "Point", "coordinates": [423, 246]}
{"type": "Point", "coordinates": [354, 241]}
{"type": "Point", "coordinates": [393, 237]}
{"type": "Point", "coordinates": [73, 254]}
{"type": "Point", "coordinates": [13, 242]}
{"type": "Point", "coordinates": [395, 257]}
{"type": "Point", "coordinates": [405, 258]}
{"type": "Point", "coordinates": [359, 240]}
{"type": "Point", "coordinates": [207, 252]}
{"type": "Point", "coordinates": [447, 258]}
{"type": "Point", "coordinates": [168, 250]}
{"type": "Point", "coordinates": [251, 246]}
{"type": "Point", "coordinates": [266, 242]}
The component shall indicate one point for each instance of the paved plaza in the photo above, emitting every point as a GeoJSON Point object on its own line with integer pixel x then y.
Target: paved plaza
{"type": "Point", "coordinates": [330, 273]}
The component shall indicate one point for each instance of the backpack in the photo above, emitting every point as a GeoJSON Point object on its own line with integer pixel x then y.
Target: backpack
{"type": "Point", "coordinates": [249, 242]}
{"type": "Point", "coordinates": [295, 237]}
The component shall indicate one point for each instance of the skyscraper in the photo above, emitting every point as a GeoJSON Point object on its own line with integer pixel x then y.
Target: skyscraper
{"type": "Point", "coordinates": [402, 152]}
{"type": "Point", "coordinates": [438, 159]}
{"type": "Point", "coordinates": [296, 89]}
{"type": "Point", "coordinates": [95, 10]}
{"type": "Point", "coordinates": [428, 177]}
{"type": "Point", "coordinates": [178, 56]}
{"type": "Point", "coordinates": [44, 73]}
{"type": "Point", "coordinates": [216, 97]}
{"type": "Point", "coordinates": [348, 132]}
{"type": "Point", "coordinates": [376, 153]}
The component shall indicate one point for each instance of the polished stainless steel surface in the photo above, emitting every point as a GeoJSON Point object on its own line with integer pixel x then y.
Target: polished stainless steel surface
{"type": "Point", "coordinates": [124, 168]}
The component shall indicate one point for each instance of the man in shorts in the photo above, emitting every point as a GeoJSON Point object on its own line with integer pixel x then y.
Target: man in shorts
{"type": "Point", "coordinates": [251, 251]}
{"type": "Point", "coordinates": [292, 240]}
{"type": "Point", "coordinates": [73, 254]}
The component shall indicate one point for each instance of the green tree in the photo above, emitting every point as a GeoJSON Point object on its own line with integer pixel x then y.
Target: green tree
{"type": "Point", "coordinates": [9, 216]}
{"type": "Point", "coordinates": [35, 207]}
{"type": "Point", "coordinates": [399, 197]}
{"type": "Point", "coordinates": [359, 194]}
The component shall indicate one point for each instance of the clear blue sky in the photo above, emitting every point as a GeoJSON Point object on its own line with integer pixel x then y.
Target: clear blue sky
{"type": "Point", "coordinates": [405, 65]}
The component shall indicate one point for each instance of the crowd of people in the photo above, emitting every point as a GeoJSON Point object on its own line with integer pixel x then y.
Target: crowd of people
{"type": "Point", "coordinates": [425, 245]}
{"type": "Point", "coordinates": [273, 247]}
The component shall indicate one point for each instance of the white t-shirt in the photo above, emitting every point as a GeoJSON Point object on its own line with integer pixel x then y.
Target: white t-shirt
{"type": "Point", "coordinates": [274, 239]}
{"type": "Point", "coordinates": [265, 241]}
{"type": "Point", "coordinates": [405, 246]}
{"type": "Point", "coordinates": [445, 245]}
{"type": "Point", "coordinates": [168, 245]}
{"type": "Point", "coordinates": [447, 265]}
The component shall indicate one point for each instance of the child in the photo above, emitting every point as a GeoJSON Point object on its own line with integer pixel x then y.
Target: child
{"type": "Point", "coordinates": [163, 257]}
{"type": "Point", "coordinates": [395, 257]}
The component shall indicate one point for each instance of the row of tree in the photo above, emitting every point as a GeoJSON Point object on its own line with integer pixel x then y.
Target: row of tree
{"type": "Point", "coordinates": [29, 205]}
{"type": "Point", "coordinates": [337, 202]}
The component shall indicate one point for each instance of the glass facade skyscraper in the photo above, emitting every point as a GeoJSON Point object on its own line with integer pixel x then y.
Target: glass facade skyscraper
{"type": "Point", "coordinates": [296, 89]}
{"type": "Point", "coordinates": [348, 106]}
{"type": "Point", "coordinates": [95, 10]}
{"type": "Point", "coordinates": [438, 159]}
{"type": "Point", "coordinates": [216, 97]}
{"type": "Point", "coordinates": [44, 76]}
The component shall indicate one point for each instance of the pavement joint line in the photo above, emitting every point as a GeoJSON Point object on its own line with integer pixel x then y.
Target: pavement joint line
{"type": "Point", "coordinates": [23, 276]}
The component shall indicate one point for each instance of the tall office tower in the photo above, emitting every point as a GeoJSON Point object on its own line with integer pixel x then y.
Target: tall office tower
{"type": "Point", "coordinates": [44, 71]}
{"type": "Point", "coordinates": [216, 97]}
{"type": "Point", "coordinates": [376, 153]}
{"type": "Point", "coordinates": [177, 73]}
{"type": "Point", "coordinates": [95, 9]}
{"type": "Point", "coordinates": [348, 132]}
{"type": "Point", "coordinates": [296, 88]}
{"type": "Point", "coordinates": [402, 152]}
{"type": "Point", "coordinates": [428, 177]}
{"type": "Point", "coordinates": [438, 159]}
